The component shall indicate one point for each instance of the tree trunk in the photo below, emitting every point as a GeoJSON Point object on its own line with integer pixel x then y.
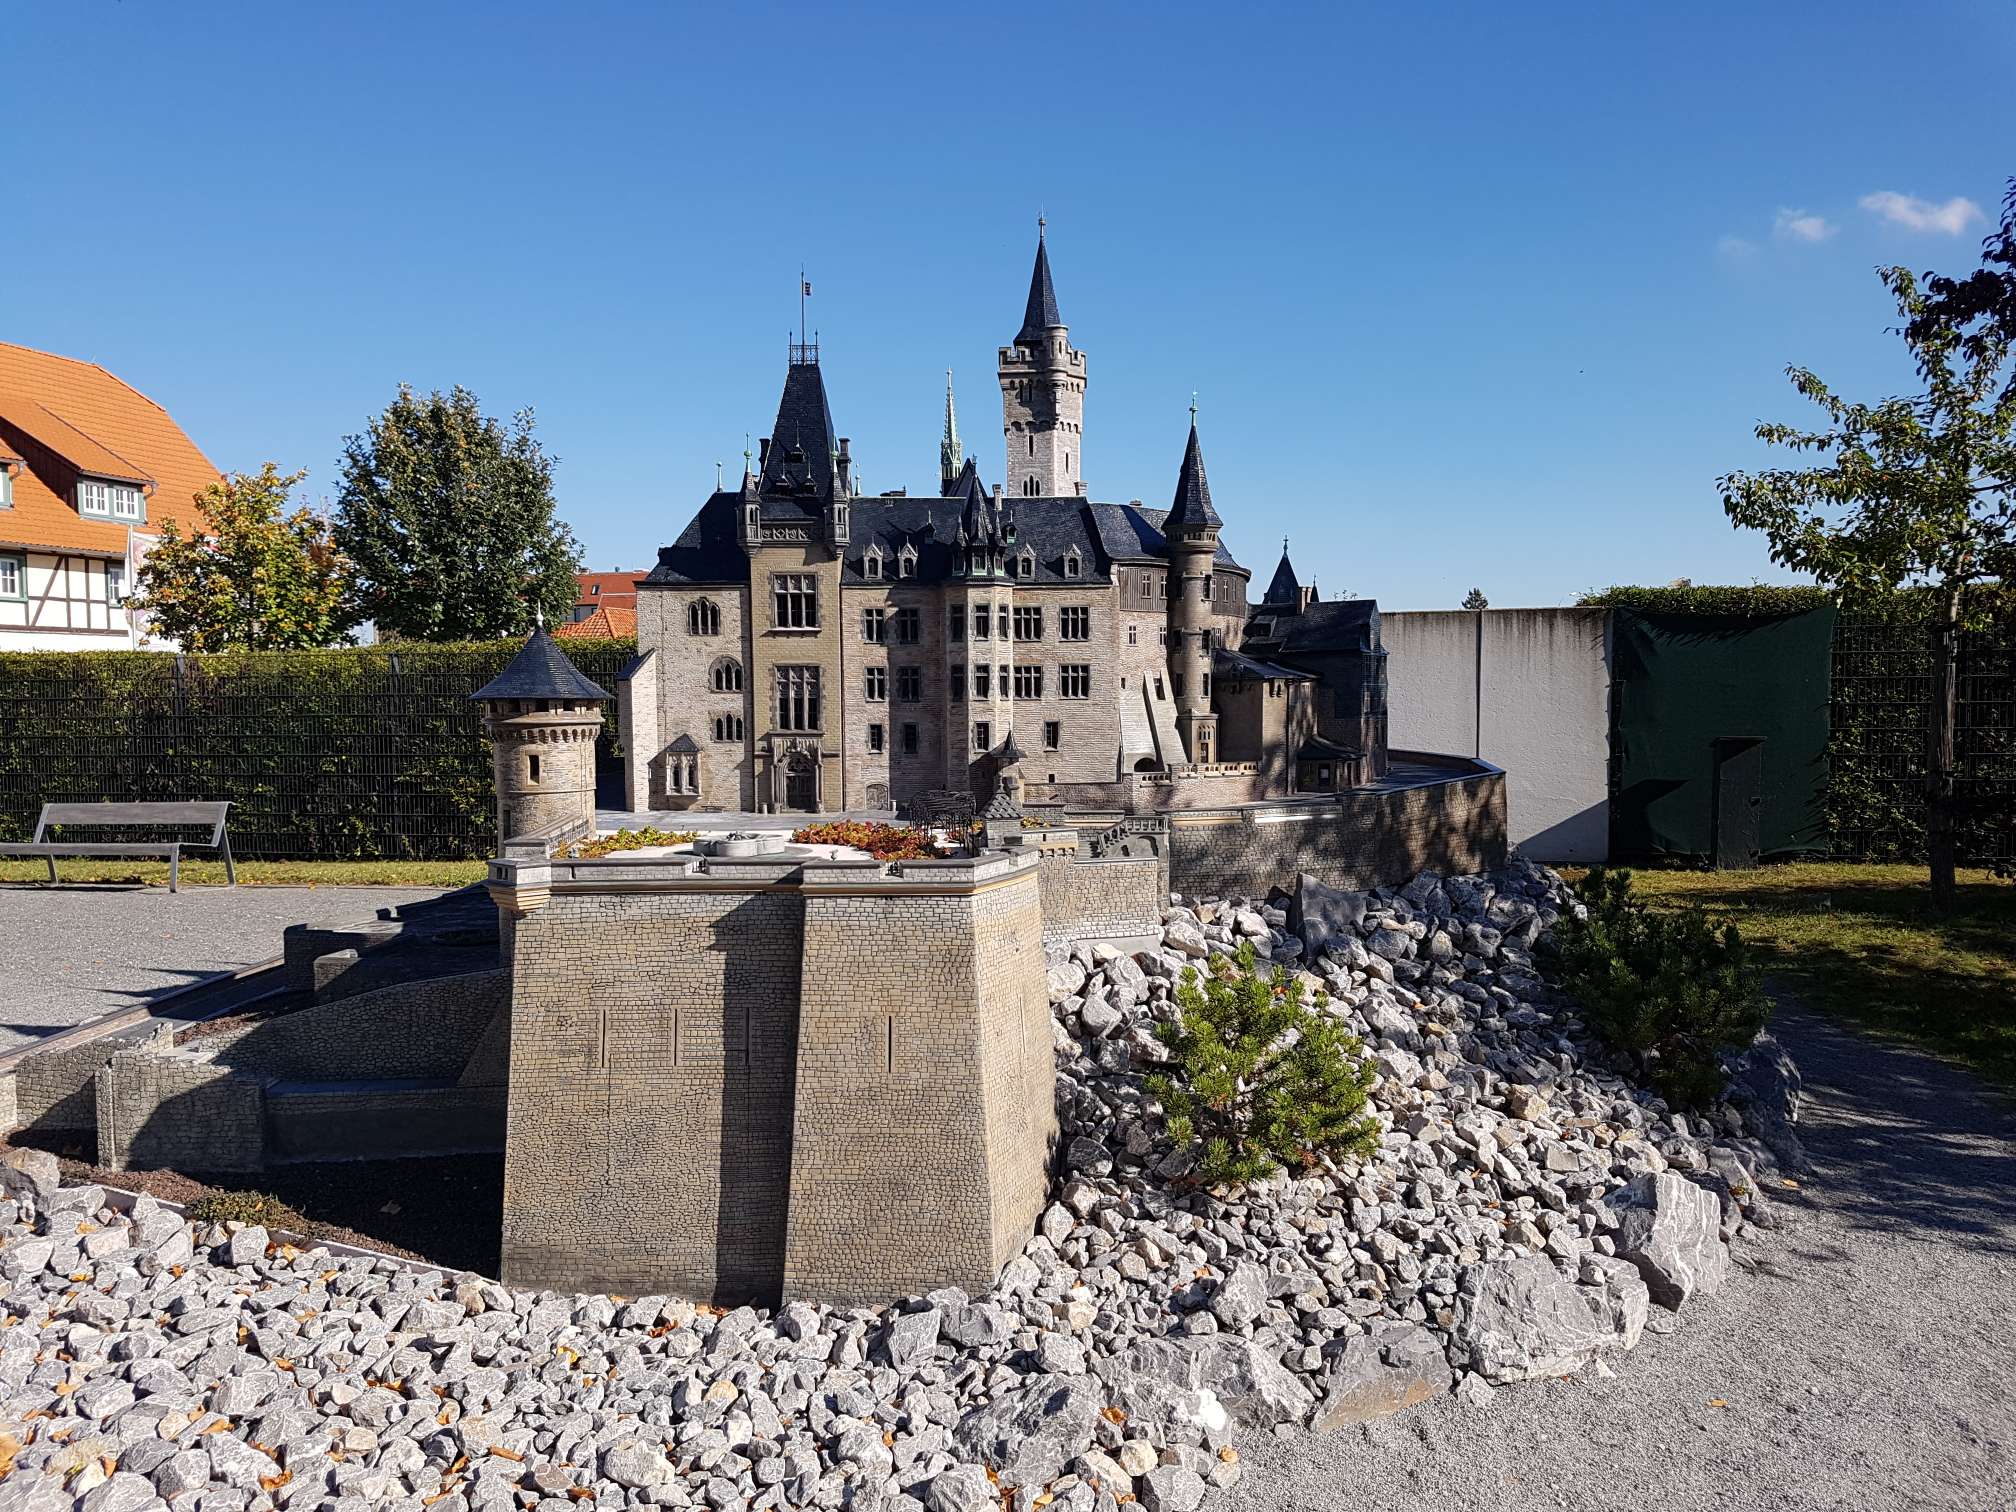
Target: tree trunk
{"type": "Point", "coordinates": [1939, 791]}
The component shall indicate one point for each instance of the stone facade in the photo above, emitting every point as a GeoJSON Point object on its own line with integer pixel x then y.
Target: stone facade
{"type": "Point", "coordinates": [808, 648]}
{"type": "Point", "coordinates": [779, 1077]}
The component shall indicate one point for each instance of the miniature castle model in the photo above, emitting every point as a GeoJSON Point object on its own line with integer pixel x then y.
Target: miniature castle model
{"type": "Point", "coordinates": [808, 648]}
{"type": "Point", "coordinates": [542, 717]}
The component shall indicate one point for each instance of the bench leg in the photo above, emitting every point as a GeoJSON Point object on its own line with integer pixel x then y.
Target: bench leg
{"type": "Point", "coordinates": [230, 871]}
{"type": "Point", "coordinates": [175, 868]}
{"type": "Point", "coordinates": [52, 867]}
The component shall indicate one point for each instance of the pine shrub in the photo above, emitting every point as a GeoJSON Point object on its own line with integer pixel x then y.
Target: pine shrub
{"type": "Point", "coordinates": [1668, 989]}
{"type": "Point", "coordinates": [1260, 1081]}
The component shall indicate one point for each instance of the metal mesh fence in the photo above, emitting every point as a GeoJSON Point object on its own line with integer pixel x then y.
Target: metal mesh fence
{"type": "Point", "coordinates": [365, 753]}
{"type": "Point", "coordinates": [1878, 744]}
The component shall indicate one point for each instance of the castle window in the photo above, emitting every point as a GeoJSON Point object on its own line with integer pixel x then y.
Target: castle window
{"type": "Point", "coordinates": [1028, 622]}
{"type": "Point", "coordinates": [909, 684]}
{"type": "Point", "coordinates": [703, 617]}
{"type": "Point", "coordinates": [1074, 680]}
{"type": "Point", "coordinates": [909, 740]}
{"type": "Point", "coordinates": [906, 562]}
{"type": "Point", "coordinates": [878, 684]}
{"type": "Point", "coordinates": [875, 738]}
{"type": "Point", "coordinates": [955, 678]}
{"type": "Point", "coordinates": [797, 698]}
{"type": "Point", "coordinates": [907, 627]}
{"type": "Point", "coordinates": [1206, 594]}
{"type": "Point", "coordinates": [1207, 684]}
{"type": "Point", "coordinates": [871, 566]}
{"type": "Point", "coordinates": [1032, 443]}
{"type": "Point", "coordinates": [1074, 623]}
{"type": "Point", "coordinates": [1025, 564]}
{"type": "Point", "coordinates": [1053, 736]}
{"type": "Point", "coordinates": [982, 675]}
{"type": "Point", "coordinates": [727, 727]}
{"type": "Point", "coordinates": [1073, 564]}
{"type": "Point", "coordinates": [1131, 629]}
{"type": "Point", "coordinates": [1029, 487]}
{"type": "Point", "coordinates": [532, 769]}
{"type": "Point", "coordinates": [1159, 694]}
{"type": "Point", "coordinates": [1028, 682]}
{"type": "Point", "coordinates": [874, 626]}
{"type": "Point", "coordinates": [726, 676]}
{"type": "Point", "coordinates": [796, 596]}
{"type": "Point", "coordinates": [983, 735]}
{"type": "Point", "coordinates": [955, 622]}
{"type": "Point", "coordinates": [983, 618]}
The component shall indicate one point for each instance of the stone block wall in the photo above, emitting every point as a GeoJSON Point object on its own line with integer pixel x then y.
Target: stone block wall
{"type": "Point", "coordinates": [178, 1110]}
{"type": "Point", "coordinates": [426, 1028]}
{"type": "Point", "coordinates": [57, 1088]}
{"type": "Point", "coordinates": [1371, 837]}
{"type": "Point", "coordinates": [737, 1081]}
{"type": "Point", "coordinates": [1120, 898]}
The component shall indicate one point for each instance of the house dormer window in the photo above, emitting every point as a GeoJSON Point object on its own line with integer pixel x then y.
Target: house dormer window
{"type": "Point", "coordinates": [1025, 564]}
{"type": "Point", "coordinates": [871, 565]}
{"type": "Point", "coordinates": [906, 561]}
{"type": "Point", "coordinates": [1074, 565]}
{"type": "Point", "coordinates": [109, 501]}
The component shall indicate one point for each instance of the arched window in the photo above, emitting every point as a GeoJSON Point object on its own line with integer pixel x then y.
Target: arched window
{"type": "Point", "coordinates": [1025, 564]}
{"type": "Point", "coordinates": [727, 727]}
{"type": "Point", "coordinates": [726, 676]}
{"type": "Point", "coordinates": [1073, 564]}
{"type": "Point", "coordinates": [871, 564]}
{"type": "Point", "coordinates": [703, 617]}
{"type": "Point", "coordinates": [906, 561]}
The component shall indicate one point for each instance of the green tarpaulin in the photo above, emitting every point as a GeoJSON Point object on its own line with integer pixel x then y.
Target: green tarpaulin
{"type": "Point", "coordinates": [1719, 745]}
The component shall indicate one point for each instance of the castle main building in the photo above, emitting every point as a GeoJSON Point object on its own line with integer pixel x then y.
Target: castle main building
{"type": "Point", "coordinates": [805, 648]}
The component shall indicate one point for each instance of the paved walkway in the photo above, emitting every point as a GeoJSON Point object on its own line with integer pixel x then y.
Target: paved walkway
{"type": "Point", "coordinates": [68, 954]}
{"type": "Point", "coordinates": [1863, 1353]}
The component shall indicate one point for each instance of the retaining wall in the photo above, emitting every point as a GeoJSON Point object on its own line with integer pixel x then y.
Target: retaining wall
{"type": "Point", "coordinates": [1114, 898]}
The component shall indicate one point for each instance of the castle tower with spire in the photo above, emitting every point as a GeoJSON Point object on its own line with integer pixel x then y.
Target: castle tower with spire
{"type": "Point", "coordinates": [1043, 396]}
{"type": "Point", "coordinates": [1192, 532]}
{"type": "Point", "coordinates": [950, 453]}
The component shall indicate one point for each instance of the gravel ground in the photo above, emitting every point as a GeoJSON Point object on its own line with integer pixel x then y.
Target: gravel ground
{"type": "Point", "coordinates": [1862, 1355]}
{"type": "Point", "coordinates": [72, 953]}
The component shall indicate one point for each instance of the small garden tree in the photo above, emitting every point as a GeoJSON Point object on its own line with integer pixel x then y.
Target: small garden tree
{"type": "Point", "coordinates": [448, 514]}
{"type": "Point", "coordinates": [1917, 490]}
{"type": "Point", "coordinates": [255, 577]}
{"type": "Point", "coordinates": [1475, 599]}
{"type": "Point", "coordinates": [1668, 990]}
{"type": "Point", "coordinates": [1260, 1081]}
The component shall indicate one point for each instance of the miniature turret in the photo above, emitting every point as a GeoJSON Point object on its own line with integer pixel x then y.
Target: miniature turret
{"type": "Point", "coordinates": [542, 717]}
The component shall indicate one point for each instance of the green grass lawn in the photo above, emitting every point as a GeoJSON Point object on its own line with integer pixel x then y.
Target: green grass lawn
{"type": "Point", "coordinates": [1862, 942]}
{"type": "Point", "coordinates": [255, 873]}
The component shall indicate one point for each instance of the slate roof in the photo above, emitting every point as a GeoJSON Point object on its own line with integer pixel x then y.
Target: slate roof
{"type": "Point", "coordinates": [802, 443]}
{"type": "Point", "coordinates": [1193, 491]}
{"type": "Point", "coordinates": [62, 417]}
{"type": "Point", "coordinates": [1236, 665]}
{"type": "Point", "coordinates": [1285, 587]}
{"type": "Point", "coordinates": [1041, 312]}
{"type": "Point", "coordinates": [684, 745]}
{"type": "Point", "coordinates": [1316, 748]}
{"type": "Point", "coordinates": [541, 670]}
{"type": "Point", "coordinates": [1339, 625]}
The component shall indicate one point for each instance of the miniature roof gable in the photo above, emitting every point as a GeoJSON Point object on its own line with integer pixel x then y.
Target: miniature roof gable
{"type": "Point", "coordinates": [1285, 588]}
{"type": "Point", "coordinates": [1193, 491]}
{"type": "Point", "coordinates": [541, 670]}
{"type": "Point", "coordinates": [1041, 314]}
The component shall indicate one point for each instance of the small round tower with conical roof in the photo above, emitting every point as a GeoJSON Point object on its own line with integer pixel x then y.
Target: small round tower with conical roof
{"type": "Point", "coordinates": [542, 717]}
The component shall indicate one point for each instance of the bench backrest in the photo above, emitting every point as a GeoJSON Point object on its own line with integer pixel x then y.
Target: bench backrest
{"type": "Point", "coordinates": [130, 814]}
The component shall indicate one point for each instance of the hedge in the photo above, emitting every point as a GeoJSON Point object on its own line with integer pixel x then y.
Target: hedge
{"type": "Point", "coordinates": [354, 753]}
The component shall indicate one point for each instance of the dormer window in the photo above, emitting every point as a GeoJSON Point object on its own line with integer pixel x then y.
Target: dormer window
{"type": "Point", "coordinates": [109, 501]}
{"type": "Point", "coordinates": [1074, 565]}
{"type": "Point", "coordinates": [906, 562]}
{"type": "Point", "coordinates": [871, 565]}
{"type": "Point", "coordinates": [1025, 564]}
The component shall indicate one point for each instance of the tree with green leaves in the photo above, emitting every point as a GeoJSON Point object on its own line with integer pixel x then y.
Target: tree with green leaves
{"type": "Point", "coordinates": [1475, 599]}
{"type": "Point", "coordinates": [448, 515]}
{"type": "Point", "coordinates": [1260, 1081]}
{"type": "Point", "coordinates": [256, 576]}
{"type": "Point", "coordinates": [1914, 490]}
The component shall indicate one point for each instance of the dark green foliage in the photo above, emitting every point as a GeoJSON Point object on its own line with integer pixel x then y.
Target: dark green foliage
{"type": "Point", "coordinates": [1260, 1081]}
{"type": "Point", "coordinates": [1758, 599]}
{"type": "Point", "coordinates": [1670, 989]}
{"type": "Point", "coordinates": [353, 753]}
{"type": "Point", "coordinates": [447, 515]}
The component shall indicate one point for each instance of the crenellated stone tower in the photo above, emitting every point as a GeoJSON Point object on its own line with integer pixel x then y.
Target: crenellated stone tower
{"type": "Point", "coordinates": [542, 716]}
{"type": "Point", "coordinates": [1043, 396]}
{"type": "Point", "coordinates": [1192, 532]}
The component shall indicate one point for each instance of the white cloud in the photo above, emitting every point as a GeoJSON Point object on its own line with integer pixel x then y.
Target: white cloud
{"type": "Point", "coordinates": [1735, 248]}
{"type": "Point", "coordinates": [1798, 225]}
{"type": "Point", "coordinates": [1949, 219]}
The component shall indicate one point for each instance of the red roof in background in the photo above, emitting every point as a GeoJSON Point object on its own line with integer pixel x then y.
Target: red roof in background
{"type": "Point", "coordinates": [611, 621]}
{"type": "Point", "coordinates": [68, 417]}
{"type": "Point", "coordinates": [608, 587]}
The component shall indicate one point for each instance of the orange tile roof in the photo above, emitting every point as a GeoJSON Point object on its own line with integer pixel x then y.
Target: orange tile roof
{"type": "Point", "coordinates": [611, 621]}
{"type": "Point", "coordinates": [96, 425]}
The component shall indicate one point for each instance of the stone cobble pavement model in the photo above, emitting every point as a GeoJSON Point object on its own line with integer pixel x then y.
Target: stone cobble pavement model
{"type": "Point", "coordinates": [1528, 1212]}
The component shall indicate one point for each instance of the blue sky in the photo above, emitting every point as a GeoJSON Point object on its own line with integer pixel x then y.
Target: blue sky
{"type": "Point", "coordinates": [1472, 295]}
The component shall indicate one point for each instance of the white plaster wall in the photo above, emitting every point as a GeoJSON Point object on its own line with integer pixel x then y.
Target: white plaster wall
{"type": "Point", "coordinates": [1537, 703]}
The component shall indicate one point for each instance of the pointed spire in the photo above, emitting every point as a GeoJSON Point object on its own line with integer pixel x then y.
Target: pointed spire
{"type": "Point", "coordinates": [1192, 506]}
{"type": "Point", "coordinates": [802, 455]}
{"type": "Point", "coordinates": [1286, 588]}
{"type": "Point", "coordinates": [541, 670]}
{"type": "Point", "coordinates": [950, 453]}
{"type": "Point", "coordinates": [1041, 313]}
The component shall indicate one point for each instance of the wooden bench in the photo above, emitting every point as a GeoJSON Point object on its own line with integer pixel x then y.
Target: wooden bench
{"type": "Point", "coordinates": [128, 816]}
